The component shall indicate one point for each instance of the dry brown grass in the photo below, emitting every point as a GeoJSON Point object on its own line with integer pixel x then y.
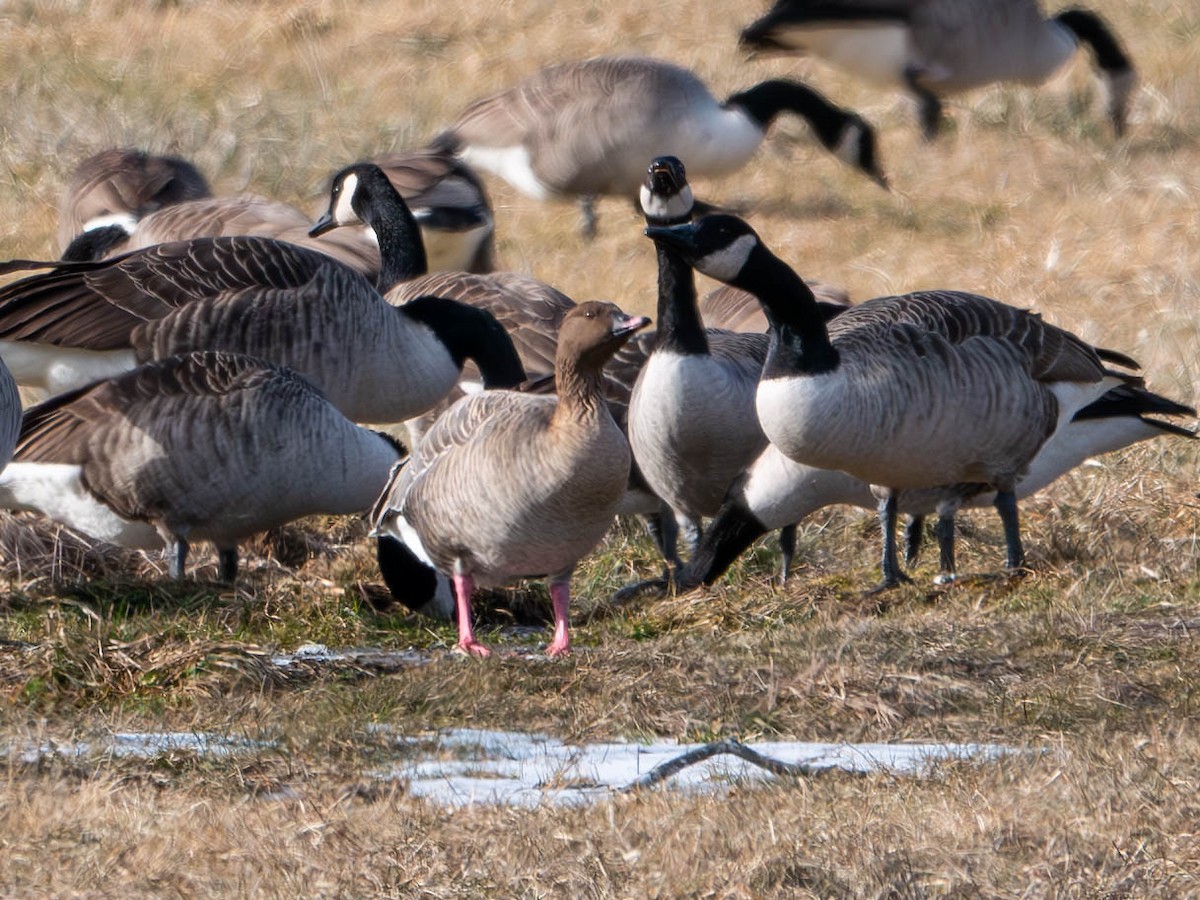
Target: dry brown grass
{"type": "Point", "coordinates": [1091, 659]}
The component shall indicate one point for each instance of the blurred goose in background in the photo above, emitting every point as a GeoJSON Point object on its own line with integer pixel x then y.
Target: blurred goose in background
{"type": "Point", "coordinates": [508, 485]}
{"type": "Point", "coordinates": [938, 47]}
{"type": "Point", "coordinates": [271, 299]}
{"type": "Point", "coordinates": [200, 447]}
{"type": "Point", "coordinates": [121, 185]}
{"type": "Point", "coordinates": [446, 198]}
{"type": "Point", "coordinates": [778, 491]}
{"type": "Point", "coordinates": [927, 390]}
{"type": "Point", "coordinates": [586, 128]}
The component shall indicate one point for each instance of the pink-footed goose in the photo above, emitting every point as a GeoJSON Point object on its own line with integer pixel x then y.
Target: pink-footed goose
{"type": "Point", "coordinates": [586, 128]}
{"type": "Point", "coordinates": [938, 47]}
{"type": "Point", "coordinates": [272, 299]}
{"type": "Point", "coordinates": [927, 390]}
{"type": "Point", "coordinates": [508, 485]}
{"type": "Point", "coordinates": [205, 446]}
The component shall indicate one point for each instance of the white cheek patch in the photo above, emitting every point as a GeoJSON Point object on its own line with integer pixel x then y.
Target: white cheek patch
{"type": "Point", "coordinates": [343, 210]}
{"type": "Point", "coordinates": [725, 264]}
{"type": "Point", "coordinates": [677, 206]}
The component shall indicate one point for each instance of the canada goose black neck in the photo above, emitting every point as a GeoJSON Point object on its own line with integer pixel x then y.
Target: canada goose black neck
{"type": "Point", "coordinates": [366, 189]}
{"type": "Point", "coordinates": [470, 333]}
{"type": "Point", "coordinates": [765, 101]}
{"type": "Point", "coordinates": [667, 200]}
{"type": "Point", "coordinates": [1090, 29]}
{"type": "Point", "coordinates": [799, 340]}
{"type": "Point", "coordinates": [733, 530]}
{"type": "Point", "coordinates": [401, 248]}
{"type": "Point", "coordinates": [680, 328]}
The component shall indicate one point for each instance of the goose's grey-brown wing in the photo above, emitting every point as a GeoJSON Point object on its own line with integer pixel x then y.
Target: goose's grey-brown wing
{"type": "Point", "coordinates": [98, 305]}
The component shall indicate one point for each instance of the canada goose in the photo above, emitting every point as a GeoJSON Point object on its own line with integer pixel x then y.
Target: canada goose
{"type": "Point", "coordinates": [586, 128]}
{"type": "Point", "coordinates": [778, 491]}
{"type": "Point", "coordinates": [692, 424]}
{"type": "Point", "coordinates": [729, 309]}
{"type": "Point", "coordinates": [926, 390]}
{"type": "Point", "coordinates": [119, 186]}
{"type": "Point", "coordinates": [204, 446]}
{"type": "Point", "coordinates": [446, 198]}
{"type": "Point", "coordinates": [508, 485]}
{"type": "Point", "coordinates": [937, 47]}
{"type": "Point", "coordinates": [271, 299]}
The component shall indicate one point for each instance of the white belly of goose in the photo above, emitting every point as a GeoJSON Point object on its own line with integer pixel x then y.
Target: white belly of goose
{"type": "Point", "coordinates": [879, 53]}
{"type": "Point", "coordinates": [56, 369]}
{"type": "Point", "coordinates": [56, 490]}
{"type": "Point", "coordinates": [513, 164]}
{"type": "Point", "coordinates": [693, 429]}
{"type": "Point", "coordinates": [713, 141]}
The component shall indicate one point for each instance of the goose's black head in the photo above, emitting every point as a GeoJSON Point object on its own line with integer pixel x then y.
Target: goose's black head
{"type": "Point", "coordinates": [353, 193]}
{"type": "Point", "coordinates": [666, 196]}
{"type": "Point", "coordinates": [720, 246]}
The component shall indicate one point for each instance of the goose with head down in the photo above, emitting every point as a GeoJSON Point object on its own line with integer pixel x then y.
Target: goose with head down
{"type": "Point", "coordinates": [938, 47]}
{"type": "Point", "coordinates": [508, 485]}
{"type": "Point", "coordinates": [925, 390]}
{"type": "Point", "coordinates": [586, 128]}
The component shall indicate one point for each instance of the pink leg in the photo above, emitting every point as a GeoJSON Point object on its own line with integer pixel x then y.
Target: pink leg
{"type": "Point", "coordinates": [463, 588]}
{"type": "Point", "coordinates": [560, 599]}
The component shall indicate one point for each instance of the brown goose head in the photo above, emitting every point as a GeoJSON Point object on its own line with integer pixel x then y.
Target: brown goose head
{"type": "Point", "coordinates": [592, 332]}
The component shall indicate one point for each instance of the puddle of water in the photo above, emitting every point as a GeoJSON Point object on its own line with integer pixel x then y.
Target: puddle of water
{"type": "Point", "coordinates": [514, 769]}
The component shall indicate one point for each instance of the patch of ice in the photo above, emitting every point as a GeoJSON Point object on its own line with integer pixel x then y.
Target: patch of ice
{"type": "Point", "coordinates": [509, 768]}
{"type": "Point", "coordinates": [371, 657]}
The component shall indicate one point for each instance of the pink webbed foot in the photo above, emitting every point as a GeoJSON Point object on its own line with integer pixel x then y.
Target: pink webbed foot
{"type": "Point", "coordinates": [463, 588]}
{"type": "Point", "coordinates": [560, 599]}
{"type": "Point", "coordinates": [472, 647]}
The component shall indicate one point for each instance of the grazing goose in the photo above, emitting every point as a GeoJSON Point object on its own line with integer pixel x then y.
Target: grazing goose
{"type": "Point", "coordinates": [778, 491]}
{"type": "Point", "coordinates": [204, 446]}
{"type": "Point", "coordinates": [926, 390]}
{"type": "Point", "coordinates": [508, 485]}
{"type": "Point", "coordinates": [270, 299]}
{"type": "Point", "coordinates": [119, 186]}
{"type": "Point", "coordinates": [937, 47]}
{"type": "Point", "coordinates": [586, 128]}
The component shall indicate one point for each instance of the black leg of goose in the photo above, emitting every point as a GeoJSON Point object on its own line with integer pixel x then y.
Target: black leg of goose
{"type": "Point", "coordinates": [228, 565]}
{"type": "Point", "coordinates": [787, 549]}
{"type": "Point", "coordinates": [914, 536]}
{"type": "Point", "coordinates": [892, 576]}
{"type": "Point", "coordinates": [930, 107]}
{"type": "Point", "coordinates": [587, 206]}
{"type": "Point", "coordinates": [177, 561]}
{"type": "Point", "coordinates": [945, 538]}
{"type": "Point", "coordinates": [1006, 506]}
